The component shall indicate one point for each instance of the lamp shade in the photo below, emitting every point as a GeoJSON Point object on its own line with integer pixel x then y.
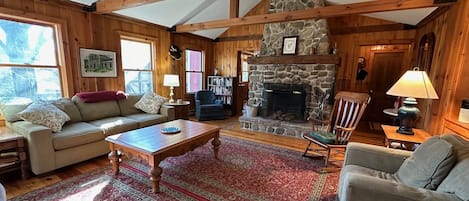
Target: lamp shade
{"type": "Point", "coordinates": [171, 80]}
{"type": "Point", "coordinates": [414, 84]}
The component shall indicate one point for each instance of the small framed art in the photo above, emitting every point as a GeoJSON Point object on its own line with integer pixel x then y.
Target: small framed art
{"type": "Point", "coordinates": [97, 63]}
{"type": "Point", "coordinates": [289, 45]}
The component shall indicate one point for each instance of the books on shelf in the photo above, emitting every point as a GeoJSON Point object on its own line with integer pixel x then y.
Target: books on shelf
{"type": "Point", "coordinates": [222, 87]}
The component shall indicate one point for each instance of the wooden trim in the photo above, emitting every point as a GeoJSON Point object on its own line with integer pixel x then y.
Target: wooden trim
{"type": "Point", "coordinates": [310, 13]}
{"type": "Point", "coordinates": [386, 42]}
{"type": "Point", "coordinates": [300, 59]}
{"type": "Point", "coordinates": [371, 28]}
{"type": "Point", "coordinates": [439, 11]}
{"type": "Point", "coordinates": [234, 8]}
{"type": "Point", "coordinates": [239, 38]}
{"type": "Point", "coordinates": [107, 6]}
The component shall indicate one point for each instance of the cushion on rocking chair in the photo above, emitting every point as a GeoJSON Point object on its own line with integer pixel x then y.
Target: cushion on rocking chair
{"type": "Point", "coordinates": [321, 136]}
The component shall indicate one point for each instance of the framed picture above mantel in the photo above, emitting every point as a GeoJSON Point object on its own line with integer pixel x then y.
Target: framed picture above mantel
{"type": "Point", "coordinates": [289, 45]}
{"type": "Point", "coordinates": [97, 63]}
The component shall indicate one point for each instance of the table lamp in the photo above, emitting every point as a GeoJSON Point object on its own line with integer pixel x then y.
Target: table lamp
{"type": "Point", "coordinates": [171, 81]}
{"type": "Point", "coordinates": [413, 84]}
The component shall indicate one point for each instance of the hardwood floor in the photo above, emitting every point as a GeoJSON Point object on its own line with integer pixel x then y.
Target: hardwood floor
{"type": "Point", "coordinates": [230, 127]}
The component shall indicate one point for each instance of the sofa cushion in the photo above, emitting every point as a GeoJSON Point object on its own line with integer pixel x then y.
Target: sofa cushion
{"type": "Point", "coordinates": [127, 105]}
{"type": "Point", "coordinates": [66, 105]}
{"type": "Point", "coordinates": [457, 181]}
{"type": "Point", "coordinates": [428, 165]}
{"type": "Point", "coordinates": [150, 103]}
{"type": "Point", "coordinates": [9, 109]}
{"type": "Point", "coordinates": [46, 114]}
{"type": "Point", "coordinates": [114, 125]}
{"type": "Point", "coordinates": [323, 137]}
{"type": "Point", "coordinates": [76, 134]}
{"type": "Point", "coordinates": [98, 110]}
{"type": "Point", "coordinates": [145, 119]}
{"type": "Point", "coordinates": [460, 146]}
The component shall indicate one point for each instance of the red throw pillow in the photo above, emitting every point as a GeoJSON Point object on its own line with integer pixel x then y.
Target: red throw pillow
{"type": "Point", "coordinates": [98, 96]}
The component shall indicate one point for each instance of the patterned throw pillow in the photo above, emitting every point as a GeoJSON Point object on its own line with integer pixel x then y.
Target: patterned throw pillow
{"type": "Point", "coordinates": [45, 114]}
{"type": "Point", "coordinates": [150, 103]}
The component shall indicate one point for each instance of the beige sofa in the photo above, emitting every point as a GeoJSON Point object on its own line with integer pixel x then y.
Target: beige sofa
{"type": "Point", "coordinates": [377, 173]}
{"type": "Point", "coordinates": [82, 137]}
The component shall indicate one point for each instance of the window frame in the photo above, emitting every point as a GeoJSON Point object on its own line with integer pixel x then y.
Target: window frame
{"type": "Point", "coordinates": [142, 39]}
{"type": "Point", "coordinates": [59, 26]}
{"type": "Point", "coordinates": [202, 69]}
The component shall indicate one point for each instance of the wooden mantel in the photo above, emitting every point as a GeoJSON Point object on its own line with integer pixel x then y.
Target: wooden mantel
{"type": "Point", "coordinates": [295, 59]}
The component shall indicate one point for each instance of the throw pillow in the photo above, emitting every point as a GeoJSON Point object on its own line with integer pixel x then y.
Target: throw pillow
{"type": "Point", "coordinates": [10, 108]}
{"type": "Point", "coordinates": [150, 103]}
{"type": "Point", "coordinates": [456, 181]}
{"type": "Point", "coordinates": [428, 165]}
{"type": "Point", "coordinates": [45, 114]}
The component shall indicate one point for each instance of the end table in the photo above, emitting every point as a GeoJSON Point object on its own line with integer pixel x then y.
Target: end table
{"type": "Point", "coordinates": [181, 109]}
{"type": "Point", "coordinates": [12, 152]}
{"type": "Point", "coordinates": [408, 141]}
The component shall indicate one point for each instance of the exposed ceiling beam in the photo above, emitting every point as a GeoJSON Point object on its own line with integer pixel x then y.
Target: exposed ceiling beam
{"type": "Point", "coordinates": [370, 28]}
{"type": "Point", "coordinates": [234, 8]}
{"type": "Point", "coordinates": [107, 6]}
{"type": "Point", "coordinates": [322, 12]}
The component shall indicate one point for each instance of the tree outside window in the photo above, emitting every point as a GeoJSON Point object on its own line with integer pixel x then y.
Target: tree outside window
{"type": "Point", "coordinates": [29, 67]}
{"type": "Point", "coordinates": [194, 71]}
{"type": "Point", "coordinates": [137, 57]}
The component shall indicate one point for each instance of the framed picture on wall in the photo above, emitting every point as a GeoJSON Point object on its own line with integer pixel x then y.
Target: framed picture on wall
{"type": "Point", "coordinates": [289, 45]}
{"type": "Point", "coordinates": [97, 63]}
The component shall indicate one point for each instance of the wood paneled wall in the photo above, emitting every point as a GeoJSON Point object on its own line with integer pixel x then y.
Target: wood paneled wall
{"type": "Point", "coordinates": [349, 46]}
{"type": "Point", "coordinates": [87, 30]}
{"type": "Point", "coordinates": [450, 68]}
{"type": "Point", "coordinates": [226, 53]}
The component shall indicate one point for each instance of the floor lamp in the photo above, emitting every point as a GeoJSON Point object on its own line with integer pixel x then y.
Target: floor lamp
{"type": "Point", "coordinates": [171, 81]}
{"type": "Point", "coordinates": [413, 84]}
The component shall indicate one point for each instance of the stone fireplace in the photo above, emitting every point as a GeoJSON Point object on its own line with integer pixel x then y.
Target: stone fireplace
{"type": "Point", "coordinates": [295, 85]}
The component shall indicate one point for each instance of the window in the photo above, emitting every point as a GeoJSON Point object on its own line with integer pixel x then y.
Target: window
{"type": "Point", "coordinates": [29, 66]}
{"type": "Point", "coordinates": [137, 63]}
{"type": "Point", "coordinates": [194, 71]}
{"type": "Point", "coordinates": [244, 67]}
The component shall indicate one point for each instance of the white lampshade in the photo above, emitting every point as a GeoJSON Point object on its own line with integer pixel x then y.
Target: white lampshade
{"type": "Point", "coordinates": [171, 80]}
{"type": "Point", "coordinates": [414, 84]}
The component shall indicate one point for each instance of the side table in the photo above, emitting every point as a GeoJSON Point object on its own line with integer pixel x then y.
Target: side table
{"type": "Point", "coordinates": [407, 140]}
{"type": "Point", "coordinates": [12, 152]}
{"type": "Point", "coordinates": [181, 109]}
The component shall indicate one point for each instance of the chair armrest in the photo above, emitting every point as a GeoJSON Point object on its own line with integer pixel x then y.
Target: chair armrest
{"type": "Point", "coordinates": [168, 111]}
{"type": "Point", "coordinates": [358, 187]}
{"type": "Point", "coordinates": [40, 148]}
{"type": "Point", "coordinates": [375, 157]}
{"type": "Point", "coordinates": [218, 101]}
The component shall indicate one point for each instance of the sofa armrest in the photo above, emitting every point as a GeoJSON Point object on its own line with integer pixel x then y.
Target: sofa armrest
{"type": "Point", "coordinates": [358, 187]}
{"type": "Point", "coordinates": [375, 157]}
{"type": "Point", "coordinates": [40, 148]}
{"type": "Point", "coordinates": [168, 111]}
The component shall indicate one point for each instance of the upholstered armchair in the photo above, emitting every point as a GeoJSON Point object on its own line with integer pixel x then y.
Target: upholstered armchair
{"type": "Point", "coordinates": [437, 171]}
{"type": "Point", "coordinates": [207, 107]}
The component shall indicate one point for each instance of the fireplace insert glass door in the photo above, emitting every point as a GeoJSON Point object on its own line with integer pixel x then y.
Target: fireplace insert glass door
{"type": "Point", "coordinates": [284, 102]}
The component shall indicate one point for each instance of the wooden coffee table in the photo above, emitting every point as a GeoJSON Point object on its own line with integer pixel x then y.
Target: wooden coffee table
{"type": "Point", "coordinates": [152, 146]}
{"type": "Point", "coordinates": [408, 141]}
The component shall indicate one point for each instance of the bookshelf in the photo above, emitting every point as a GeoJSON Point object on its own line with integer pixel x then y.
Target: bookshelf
{"type": "Point", "coordinates": [224, 89]}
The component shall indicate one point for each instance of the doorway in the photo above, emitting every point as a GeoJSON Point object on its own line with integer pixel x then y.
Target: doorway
{"type": "Point", "coordinates": [243, 79]}
{"type": "Point", "coordinates": [386, 71]}
{"type": "Point", "coordinates": [384, 65]}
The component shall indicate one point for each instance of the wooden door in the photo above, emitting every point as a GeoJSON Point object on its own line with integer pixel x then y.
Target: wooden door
{"type": "Point", "coordinates": [243, 85]}
{"type": "Point", "coordinates": [386, 70]}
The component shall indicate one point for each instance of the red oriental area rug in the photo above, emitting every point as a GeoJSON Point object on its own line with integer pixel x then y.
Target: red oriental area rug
{"type": "Point", "coordinates": [246, 171]}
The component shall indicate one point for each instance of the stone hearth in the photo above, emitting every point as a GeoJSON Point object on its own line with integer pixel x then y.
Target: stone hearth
{"type": "Point", "coordinates": [312, 37]}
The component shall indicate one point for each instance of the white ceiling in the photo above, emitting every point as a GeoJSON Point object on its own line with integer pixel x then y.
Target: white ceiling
{"type": "Point", "coordinates": [172, 12]}
{"type": "Point", "coordinates": [412, 16]}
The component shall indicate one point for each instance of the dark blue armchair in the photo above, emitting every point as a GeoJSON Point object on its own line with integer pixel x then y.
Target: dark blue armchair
{"type": "Point", "coordinates": [207, 107]}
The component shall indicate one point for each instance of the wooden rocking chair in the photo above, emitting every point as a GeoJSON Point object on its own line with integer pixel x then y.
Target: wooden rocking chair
{"type": "Point", "coordinates": [335, 132]}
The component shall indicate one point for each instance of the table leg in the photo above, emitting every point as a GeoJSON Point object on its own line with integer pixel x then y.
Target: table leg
{"type": "Point", "coordinates": [408, 146]}
{"type": "Point", "coordinates": [386, 142]}
{"type": "Point", "coordinates": [216, 144]}
{"type": "Point", "coordinates": [114, 158]}
{"type": "Point", "coordinates": [155, 177]}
